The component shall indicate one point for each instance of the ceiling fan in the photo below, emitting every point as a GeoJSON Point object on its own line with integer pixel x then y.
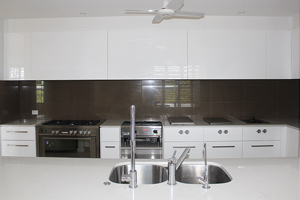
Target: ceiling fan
{"type": "Point", "coordinates": [170, 9]}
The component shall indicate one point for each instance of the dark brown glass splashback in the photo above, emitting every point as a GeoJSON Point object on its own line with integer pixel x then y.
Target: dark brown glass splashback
{"type": "Point", "coordinates": [9, 101]}
{"type": "Point", "coordinates": [153, 98]}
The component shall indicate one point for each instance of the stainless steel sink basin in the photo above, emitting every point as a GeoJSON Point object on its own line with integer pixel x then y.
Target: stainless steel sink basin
{"type": "Point", "coordinates": [146, 173]}
{"type": "Point", "coordinates": [189, 173]}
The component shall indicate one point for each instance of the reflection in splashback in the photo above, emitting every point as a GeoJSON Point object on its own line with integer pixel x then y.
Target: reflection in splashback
{"type": "Point", "coordinates": [156, 98]}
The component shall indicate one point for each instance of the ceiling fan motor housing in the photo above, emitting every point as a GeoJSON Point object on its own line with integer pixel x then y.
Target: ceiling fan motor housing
{"type": "Point", "coordinates": [166, 13]}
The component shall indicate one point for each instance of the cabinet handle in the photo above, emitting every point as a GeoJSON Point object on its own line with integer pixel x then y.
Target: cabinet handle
{"type": "Point", "coordinates": [184, 147]}
{"type": "Point", "coordinates": [110, 147]}
{"type": "Point", "coordinates": [223, 147]}
{"type": "Point", "coordinates": [258, 131]}
{"type": "Point", "coordinates": [17, 131]}
{"type": "Point", "coordinates": [18, 145]}
{"type": "Point", "coordinates": [264, 131]}
{"type": "Point", "coordinates": [262, 145]}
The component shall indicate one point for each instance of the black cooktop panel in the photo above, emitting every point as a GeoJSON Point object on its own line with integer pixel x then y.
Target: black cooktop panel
{"type": "Point", "coordinates": [253, 120]}
{"type": "Point", "coordinates": [143, 123]}
{"type": "Point", "coordinates": [72, 122]}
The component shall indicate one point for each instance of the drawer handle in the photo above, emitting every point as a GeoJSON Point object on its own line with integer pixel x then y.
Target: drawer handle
{"type": "Point", "coordinates": [18, 145]}
{"type": "Point", "coordinates": [262, 145]}
{"type": "Point", "coordinates": [17, 131]}
{"type": "Point", "coordinates": [184, 147]}
{"type": "Point", "coordinates": [223, 147]}
{"type": "Point", "coordinates": [110, 147]}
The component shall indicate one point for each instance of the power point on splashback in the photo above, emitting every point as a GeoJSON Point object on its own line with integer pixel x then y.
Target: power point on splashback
{"type": "Point", "coordinates": [34, 112]}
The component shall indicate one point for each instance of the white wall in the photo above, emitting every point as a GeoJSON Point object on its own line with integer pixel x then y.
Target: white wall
{"type": "Point", "coordinates": [144, 23]}
{"type": "Point", "coordinates": [296, 47]}
{"type": "Point", "coordinates": [1, 49]}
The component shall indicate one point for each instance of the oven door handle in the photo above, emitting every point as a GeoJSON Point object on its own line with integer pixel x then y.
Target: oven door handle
{"type": "Point", "coordinates": [184, 147]}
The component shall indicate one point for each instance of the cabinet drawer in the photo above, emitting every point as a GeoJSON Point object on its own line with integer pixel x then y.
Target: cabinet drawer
{"type": "Point", "coordinates": [224, 149]}
{"type": "Point", "coordinates": [183, 133]}
{"type": "Point", "coordinates": [110, 134]}
{"type": "Point", "coordinates": [254, 149]}
{"type": "Point", "coordinates": [261, 133]}
{"type": "Point", "coordinates": [17, 133]}
{"type": "Point", "coordinates": [170, 147]}
{"type": "Point", "coordinates": [223, 134]}
{"type": "Point", "coordinates": [110, 150]}
{"type": "Point", "coordinates": [19, 148]}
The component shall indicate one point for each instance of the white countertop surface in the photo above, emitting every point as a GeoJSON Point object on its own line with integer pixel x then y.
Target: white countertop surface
{"type": "Point", "coordinates": [24, 122]}
{"type": "Point", "coordinates": [65, 178]}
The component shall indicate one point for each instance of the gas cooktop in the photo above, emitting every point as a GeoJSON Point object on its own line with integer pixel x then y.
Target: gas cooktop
{"type": "Point", "coordinates": [72, 122]}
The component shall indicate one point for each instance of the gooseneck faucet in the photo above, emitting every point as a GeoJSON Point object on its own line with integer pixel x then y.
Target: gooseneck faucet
{"type": "Point", "coordinates": [133, 173]}
{"type": "Point", "coordinates": [204, 180]}
{"type": "Point", "coordinates": [132, 176]}
{"type": "Point", "coordinates": [174, 164]}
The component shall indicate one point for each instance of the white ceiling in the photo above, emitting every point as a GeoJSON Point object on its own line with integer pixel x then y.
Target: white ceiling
{"type": "Point", "coordinates": [10, 9]}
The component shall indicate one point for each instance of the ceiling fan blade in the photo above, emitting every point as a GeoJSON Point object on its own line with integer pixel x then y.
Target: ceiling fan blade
{"type": "Point", "coordinates": [157, 19]}
{"type": "Point", "coordinates": [141, 11]}
{"type": "Point", "coordinates": [175, 4]}
{"type": "Point", "coordinates": [188, 14]}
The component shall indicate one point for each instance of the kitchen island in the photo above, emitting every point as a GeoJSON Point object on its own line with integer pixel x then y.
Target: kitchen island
{"type": "Point", "coordinates": [67, 178]}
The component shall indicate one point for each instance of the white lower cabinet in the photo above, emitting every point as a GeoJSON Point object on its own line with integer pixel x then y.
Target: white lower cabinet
{"type": "Point", "coordinates": [110, 142]}
{"type": "Point", "coordinates": [179, 147]}
{"type": "Point", "coordinates": [262, 141]}
{"type": "Point", "coordinates": [19, 148]}
{"type": "Point", "coordinates": [255, 149]}
{"type": "Point", "coordinates": [18, 141]}
{"type": "Point", "coordinates": [224, 149]}
{"type": "Point", "coordinates": [224, 142]}
{"type": "Point", "coordinates": [110, 150]}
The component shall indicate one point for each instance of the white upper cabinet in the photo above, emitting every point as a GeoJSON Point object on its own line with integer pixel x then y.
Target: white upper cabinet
{"type": "Point", "coordinates": [278, 54]}
{"type": "Point", "coordinates": [17, 55]}
{"type": "Point", "coordinates": [147, 54]}
{"type": "Point", "coordinates": [77, 55]}
{"type": "Point", "coordinates": [226, 54]}
{"type": "Point", "coordinates": [69, 55]}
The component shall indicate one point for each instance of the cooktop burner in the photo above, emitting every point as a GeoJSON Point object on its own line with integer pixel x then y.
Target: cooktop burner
{"type": "Point", "coordinates": [253, 120]}
{"type": "Point", "coordinates": [72, 122]}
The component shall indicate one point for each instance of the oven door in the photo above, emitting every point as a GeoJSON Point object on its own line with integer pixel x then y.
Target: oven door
{"type": "Point", "coordinates": [77, 147]}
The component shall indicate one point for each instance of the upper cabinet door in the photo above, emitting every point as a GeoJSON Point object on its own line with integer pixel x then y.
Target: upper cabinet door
{"type": "Point", "coordinates": [278, 54]}
{"type": "Point", "coordinates": [69, 55]}
{"type": "Point", "coordinates": [226, 54]}
{"type": "Point", "coordinates": [147, 54]}
{"type": "Point", "coordinates": [17, 55]}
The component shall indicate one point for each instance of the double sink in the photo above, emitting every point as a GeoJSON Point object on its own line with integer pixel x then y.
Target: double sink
{"type": "Point", "coordinates": [186, 173]}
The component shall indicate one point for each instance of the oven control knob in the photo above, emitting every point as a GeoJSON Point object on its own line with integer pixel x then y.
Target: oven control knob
{"type": "Point", "coordinates": [84, 132]}
{"type": "Point", "coordinates": [75, 132]}
{"type": "Point", "coordinates": [52, 132]}
{"type": "Point", "coordinates": [71, 132]}
{"type": "Point", "coordinates": [80, 132]}
{"type": "Point", "coordinates": [89, 132]}
{"type": "Point", "coordinates": [56, 132]}
{"type": "Point", "coordinates": [155, 132]}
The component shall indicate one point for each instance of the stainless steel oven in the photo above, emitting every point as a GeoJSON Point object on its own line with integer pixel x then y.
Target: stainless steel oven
{"type": "Point", "coordinates": [69, 138]}
{"type": "Point", "coordinates": [148, 136]}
